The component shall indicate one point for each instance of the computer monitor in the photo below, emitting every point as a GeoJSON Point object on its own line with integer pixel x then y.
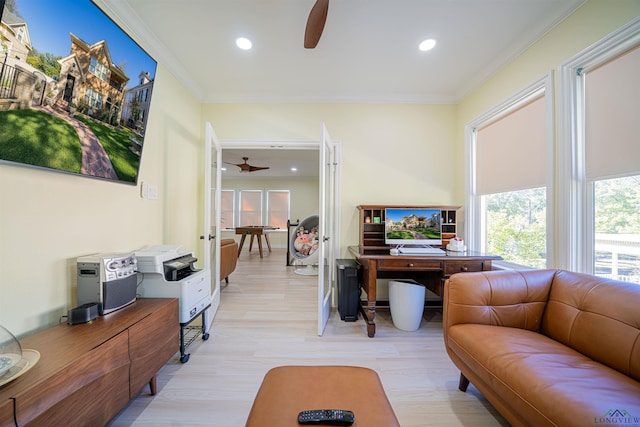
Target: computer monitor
{"type": "Point", "coordinates": [413, 226]}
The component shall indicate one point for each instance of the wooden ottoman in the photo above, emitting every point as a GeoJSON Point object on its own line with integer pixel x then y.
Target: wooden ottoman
{"type": "Point", "coordinates": [287, 390]}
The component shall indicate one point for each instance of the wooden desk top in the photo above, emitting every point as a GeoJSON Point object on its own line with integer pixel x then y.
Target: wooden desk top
{"type": "Point", "coordinates": [254, 229]}
{"type": "Point", "coordinates": [448, 256]}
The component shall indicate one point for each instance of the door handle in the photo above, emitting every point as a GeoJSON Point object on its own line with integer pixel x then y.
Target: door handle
{"type": "Point", "coordinates": [325, 238]}
{"type": "Point", "coordinates": [210, 237]}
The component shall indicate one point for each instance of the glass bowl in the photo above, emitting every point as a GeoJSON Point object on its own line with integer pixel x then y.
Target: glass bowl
{"type": "Point", "coordinates": [10, 351]}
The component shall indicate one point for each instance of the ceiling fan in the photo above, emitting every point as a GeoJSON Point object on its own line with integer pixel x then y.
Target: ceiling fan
{"type": "Point", "coordinates": [315, 23]}
{"type": "Point", "coordinates": [245, 167]}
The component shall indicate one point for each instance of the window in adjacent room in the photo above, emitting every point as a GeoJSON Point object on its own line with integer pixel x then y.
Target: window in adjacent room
{"type": "Point", "coordinates": [250, 212]}
{"type": "Point", "coordinates": [509, 192]}
{"type": "Point", "coordinates": [278, 208]}
{"type": "Point", "coordinates": [227, 202]}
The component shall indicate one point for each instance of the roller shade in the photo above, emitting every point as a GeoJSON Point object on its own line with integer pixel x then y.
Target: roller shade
{"type": "Point", "coordinates": [612, 118]}
{"type": "Point", "coordinates": [510, 152]}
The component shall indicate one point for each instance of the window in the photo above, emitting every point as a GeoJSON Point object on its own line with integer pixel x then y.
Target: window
{"type": "Point", "coordinates": [278, 208]}
{"type": "Point", "coordinates": [600, 99]}
{"type": "Point", "coordinates": [508, 150]}
{"type": "Point", "coordinates": [93, 98]}
{"type": "Point", "coordinates": [227, 203]}
{"type": "Point", "coordinates": [617, 228]}
{"type": "Point", "coordinates": [250, 208]}
{"type": "Point", "coordinates": [98, 69]}
{"type": "Point", "coordinates": [515, 226]}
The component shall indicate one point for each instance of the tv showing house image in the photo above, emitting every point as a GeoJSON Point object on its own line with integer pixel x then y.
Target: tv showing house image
{"type": "Point", "coordinates": [75, 90]}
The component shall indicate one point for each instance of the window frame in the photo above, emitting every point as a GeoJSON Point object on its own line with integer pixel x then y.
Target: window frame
{"type": "Point", "coordinates": [575, 194]}
{"type": "Point", "coordinates": [475, 213]}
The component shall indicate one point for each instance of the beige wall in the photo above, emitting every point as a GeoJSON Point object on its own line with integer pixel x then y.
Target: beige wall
{"type": "Point", "coordinates": [590, 23]}
{"type": "Point", "coordinates": [48, 219]}
{"type": "Point", "coordinates": [391, 153]}
{"type": "Point", "coordinates": [304, 201]}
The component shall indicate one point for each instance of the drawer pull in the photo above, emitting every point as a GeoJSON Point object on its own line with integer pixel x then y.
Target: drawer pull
{"type": "Point", "coordinates": [410, 264]}
{"type": "Point", "coordinates": [465, 268]}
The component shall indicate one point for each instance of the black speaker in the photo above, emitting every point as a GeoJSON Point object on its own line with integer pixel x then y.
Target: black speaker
{"type": "Point", "coordinates": [82, 314]}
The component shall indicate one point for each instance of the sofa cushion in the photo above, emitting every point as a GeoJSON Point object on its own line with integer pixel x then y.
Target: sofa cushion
{"type": "Point", "coordinates": [546, 382]}
{"type": "Point", "coordinates": [503, 298]}
{"type": "Point", "coordinates": [598, 317]}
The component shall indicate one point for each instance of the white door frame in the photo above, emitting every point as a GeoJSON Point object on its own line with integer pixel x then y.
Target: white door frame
{"type": "Point", "coordinates": [303, 145]}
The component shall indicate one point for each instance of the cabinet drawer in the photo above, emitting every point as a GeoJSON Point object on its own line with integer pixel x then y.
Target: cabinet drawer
{"type": "Point", "coordinates": [400, 264]}
{"type": "Point", "coordinates": [452, 267]}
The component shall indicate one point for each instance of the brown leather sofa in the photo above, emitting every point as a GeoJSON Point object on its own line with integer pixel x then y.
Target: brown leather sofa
{"type": "Point", "coordinates": [547, 347]}
{"type": "Point", "coordinates": [228, 258]}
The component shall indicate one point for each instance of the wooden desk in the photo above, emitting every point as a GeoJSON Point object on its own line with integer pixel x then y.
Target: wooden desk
{"type": "Point", "coordinates": [428, 269]}
{"type": "Point", "coordinates": [255, 231]}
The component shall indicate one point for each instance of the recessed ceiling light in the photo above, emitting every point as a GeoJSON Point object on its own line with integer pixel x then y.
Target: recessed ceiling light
{"type": "Point", "coordinates": [243, 43]}
{"type": "Point", "coordinates": [294, 169]}
{"type": "Point", "coordinates": [427, 45]}
{"type": "Point", "coordinates": [223, 168]}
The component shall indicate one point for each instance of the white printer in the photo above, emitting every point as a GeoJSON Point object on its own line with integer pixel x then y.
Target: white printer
{"type": "Point", "coordinates": [167, 273]}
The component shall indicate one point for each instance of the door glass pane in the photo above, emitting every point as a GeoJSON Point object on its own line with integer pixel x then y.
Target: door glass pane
{"type": "Point", "coordinates": [617, 228]}
{"type": "Point", "coordinates": [515, 226]}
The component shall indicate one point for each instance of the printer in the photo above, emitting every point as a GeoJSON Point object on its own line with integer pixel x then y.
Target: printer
{"type": "Point", "coordinates": [168, 273]}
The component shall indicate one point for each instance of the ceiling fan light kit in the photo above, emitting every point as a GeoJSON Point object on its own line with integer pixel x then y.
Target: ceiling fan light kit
{"type": "Point", "coordinates": [315, 23]}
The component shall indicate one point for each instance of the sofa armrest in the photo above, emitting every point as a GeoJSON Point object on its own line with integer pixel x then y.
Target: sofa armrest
{"type": "Point", "coordinates": [503, 298]}
{"type": "Point", "coordinates": [228, 258]}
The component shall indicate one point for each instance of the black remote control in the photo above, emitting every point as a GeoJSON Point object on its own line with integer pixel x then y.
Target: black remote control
{"type": "Point", "coordinates": [330, 417]}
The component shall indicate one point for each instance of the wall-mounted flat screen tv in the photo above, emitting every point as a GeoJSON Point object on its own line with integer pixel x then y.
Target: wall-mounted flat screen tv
{"type": "Point", "coordinates": [75, 90]}
{"type": "Point", "coordinates": [413, 226]}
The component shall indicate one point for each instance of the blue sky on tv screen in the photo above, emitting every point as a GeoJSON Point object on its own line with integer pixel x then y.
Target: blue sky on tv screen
{"type": "Point", "coordinates": [396, 214]}
{"type": "Point", "coordinates": [50, 22]}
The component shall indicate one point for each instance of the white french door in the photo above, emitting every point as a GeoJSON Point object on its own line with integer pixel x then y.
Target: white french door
{"type": "Point", "coordinates": [212, 176]}
{"type": "Point", "coordinates": [327, 227]}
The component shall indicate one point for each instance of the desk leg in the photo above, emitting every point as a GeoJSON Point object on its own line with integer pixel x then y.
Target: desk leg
{"type": "Point", "coordinates": [241, 243]}
{"type": "Point", "coordinates": [259, 239]}
{"type": "Point", "coordinates": [370, 314]}
{"type": "Point", "coordinates": [266, 237]}
{"type": "Point", "coordinates": [251, 242]}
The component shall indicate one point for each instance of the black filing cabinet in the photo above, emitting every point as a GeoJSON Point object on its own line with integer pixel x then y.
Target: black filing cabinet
{"type": "Point", "coordinates": [348, 289]}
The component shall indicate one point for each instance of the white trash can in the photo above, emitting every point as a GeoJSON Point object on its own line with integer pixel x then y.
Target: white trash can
{"type": "Point", "coordinates": [406, 301]}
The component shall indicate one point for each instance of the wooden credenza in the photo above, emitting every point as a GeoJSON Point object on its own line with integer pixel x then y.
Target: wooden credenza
{"type": "Point", "coordinates": [88, 373]}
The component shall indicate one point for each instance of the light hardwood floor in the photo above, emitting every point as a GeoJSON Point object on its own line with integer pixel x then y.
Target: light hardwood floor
{"type": "Point", "coordinates": [267, 318]}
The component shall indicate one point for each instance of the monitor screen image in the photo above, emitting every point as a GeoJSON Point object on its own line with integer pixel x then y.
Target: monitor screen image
{"type": "Point", "coordinates": [413, 226]}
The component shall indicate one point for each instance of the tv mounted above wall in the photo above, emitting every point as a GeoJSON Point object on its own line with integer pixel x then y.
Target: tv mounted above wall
{"type": "Point", "coordinates": [75, 90]}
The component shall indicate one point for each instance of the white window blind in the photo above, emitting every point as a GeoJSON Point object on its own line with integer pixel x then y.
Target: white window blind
{"type": "Point", "coordinates": [250, 207]}
{"type": "Point", "coordinates": [511, 151]}
{"type": "Point", "coordinates": [612, 118]}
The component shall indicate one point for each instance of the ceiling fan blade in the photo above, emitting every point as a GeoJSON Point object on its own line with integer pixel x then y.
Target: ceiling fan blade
{"type": "Point", "coordinates": [257, 168]}
{"type": "Point", "coordinates": [315, 23]}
